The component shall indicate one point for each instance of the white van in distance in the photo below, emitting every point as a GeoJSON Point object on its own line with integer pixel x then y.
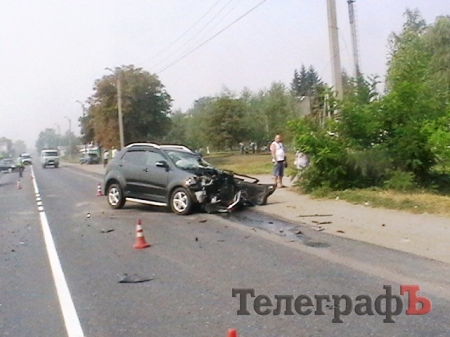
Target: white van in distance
{"type": "Point", "coordinates": [49, 158]}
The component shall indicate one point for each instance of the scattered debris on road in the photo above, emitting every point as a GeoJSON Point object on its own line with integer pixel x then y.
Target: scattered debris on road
{"type": "Point", "coordinates": [313, 215]}
{"type": "Point", "coordinates": [103, 231]}
{"type": "Point", "coordinates": [125, 278]}
{"type": "Point", "coordinates": [321, 222]}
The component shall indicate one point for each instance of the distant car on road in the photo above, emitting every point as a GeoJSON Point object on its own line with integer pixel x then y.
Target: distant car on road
{"type": "Point", "coordinates": [8, 165]}
{"type": "Point", "coordinates": [50, 158]}
{"type": "Point", "coordinates": [89, 158]}
{"type": "Point", "coordinates": [25, 158]}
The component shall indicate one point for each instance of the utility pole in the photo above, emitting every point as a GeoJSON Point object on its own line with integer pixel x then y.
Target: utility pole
{"type": "Point", "coordinates": [82, 121]}
{"type": "Point", "coordinates": [351, 14]}
{"type": "Point", "coordinates": [70, 136]}
{"type": "Point", "coordinates": [119, 108]}
{"type": "Point", "coordinates": [119, 104]}
{"type": "Point", "coordinates": [334, 49]}
{"type": "Point", "coordinates": [58, 135]}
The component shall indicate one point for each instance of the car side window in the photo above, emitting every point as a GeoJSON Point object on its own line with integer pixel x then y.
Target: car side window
{"type": "Point", "coordinates": [135, 157]}
{"type": "Point", "coordinates": [153, 157]}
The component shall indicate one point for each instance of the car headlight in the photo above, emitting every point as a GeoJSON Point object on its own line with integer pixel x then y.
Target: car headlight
{"type": "Point", "coordinates": [191, 181]}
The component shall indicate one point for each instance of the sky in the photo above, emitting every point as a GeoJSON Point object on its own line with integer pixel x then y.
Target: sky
{"type": "Point", "coordinates": [53, 51]}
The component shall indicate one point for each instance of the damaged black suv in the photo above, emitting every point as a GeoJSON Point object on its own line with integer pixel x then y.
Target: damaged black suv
{"type": "Point", "coordinates": [175, 176]}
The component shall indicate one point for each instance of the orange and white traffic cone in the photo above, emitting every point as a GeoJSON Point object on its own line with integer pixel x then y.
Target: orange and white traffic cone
{"type": "Point", "coordinates": [232, 333]}
{"type": "Point", "coordinates": [19, 186]}
{"type": "Point", "coordinates": [99, 190]}
{"type": "Point", "coordinates": [140, 240]}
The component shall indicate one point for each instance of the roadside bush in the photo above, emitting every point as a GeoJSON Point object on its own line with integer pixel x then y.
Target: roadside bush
{"type": "Point", "coordinates": [333, 164]}
{"type": "Point", "coordinates": [327, 156]}
{"type": "Point", "coordinates": [368, 167]}
{"type": "Point", "coordinates": [400, 181]}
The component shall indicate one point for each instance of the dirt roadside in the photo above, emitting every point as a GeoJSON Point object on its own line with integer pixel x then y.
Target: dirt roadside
{"type": "Point", "coordinates": [425, 235]}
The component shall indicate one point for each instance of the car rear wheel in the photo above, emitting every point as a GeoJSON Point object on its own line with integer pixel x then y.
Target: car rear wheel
{"type": "Point", "coordinates": [181, 201]}
{"type": "Point", "coordinates": [115, 195]}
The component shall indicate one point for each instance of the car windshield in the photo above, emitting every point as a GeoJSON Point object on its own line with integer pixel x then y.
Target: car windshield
{"type": "Point", "coordinates": [26, 156]}
{"type": "Point", "coordinates": [186, 160]}
{"type": "Point", "coordinates": [51, 153]}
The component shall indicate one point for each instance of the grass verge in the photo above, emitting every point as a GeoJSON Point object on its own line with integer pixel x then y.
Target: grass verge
{"type": "Point", "coordinates": [417, 202]}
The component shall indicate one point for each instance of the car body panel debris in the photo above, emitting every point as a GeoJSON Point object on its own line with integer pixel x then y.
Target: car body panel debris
{"type": "Point", "coordinates": [125, 278]}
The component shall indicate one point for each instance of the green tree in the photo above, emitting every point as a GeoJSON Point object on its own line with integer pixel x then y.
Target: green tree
{"type": "Point", "coordinates": [412, 102]}
{"type": "Point", "coordinates": [306, 82]}
{"type": "Point", "coordinates": [225, 122]}
{"type": "Point", "coordinates": [145, 107]}
{"type": "Point", "coordinates": [19, 147]}
{"type": "Point", "coordinates": [277, 107]}
{"type": "Point", "coordinates": [179, 129]}
{"type": "Point", "coordinates": [48, 139]}
{"type": "Point", "coordinates": [8, 143]}
{"type": "Point", "coordinates": [437, 41]}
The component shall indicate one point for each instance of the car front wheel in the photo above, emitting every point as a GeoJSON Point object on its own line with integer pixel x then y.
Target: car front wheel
{"type": "Point", "coordinates": [181, 201]}
{"type": "Point", "coordinates": [115, 195]}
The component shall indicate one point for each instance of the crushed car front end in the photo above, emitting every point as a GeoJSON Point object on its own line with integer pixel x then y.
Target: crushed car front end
{"type": "Point", "coordinates": [223, 191]}
{"type": "Point", "coordinates": [214, 189]}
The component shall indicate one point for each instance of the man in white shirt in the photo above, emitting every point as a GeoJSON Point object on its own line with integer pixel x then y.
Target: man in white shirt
{"type": "Point", "coordinates": [279, 160]}
{"type": "Point", "coordinates": [113, 152]}
{"type": "Point", "coordinates": [105, 158]}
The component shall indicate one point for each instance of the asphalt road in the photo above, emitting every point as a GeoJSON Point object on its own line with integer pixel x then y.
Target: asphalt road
{"type": "Point", "coordinates": [188, 272]}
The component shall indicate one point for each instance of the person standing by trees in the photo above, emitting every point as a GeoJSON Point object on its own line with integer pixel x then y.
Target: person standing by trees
{"type": "Point", "coordinates": [113, 152]}
{"type": "Point", "coordinates": [279, 160]}
{"type": "Point", "coordinates": [105, 158]}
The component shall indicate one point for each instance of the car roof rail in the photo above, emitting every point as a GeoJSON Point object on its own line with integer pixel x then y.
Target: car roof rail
{"type": "Point", "coordinates": [143, 144]}
{"type": "Point", "coordinates": [164, 146]}
{"type": "Point", "coordinates": [178, 147]}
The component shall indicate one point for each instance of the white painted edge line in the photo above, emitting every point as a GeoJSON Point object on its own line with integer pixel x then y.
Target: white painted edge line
{"type": "Point", "coordinates": [71, 320]}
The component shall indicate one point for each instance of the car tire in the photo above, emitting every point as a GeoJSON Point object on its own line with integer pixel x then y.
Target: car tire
{"type": "Point", "coordinates": [116, 198]}
{"type": "Point", "coordinates": [181, 201]}
{"type": "Point", "coordinates": [43, 166]}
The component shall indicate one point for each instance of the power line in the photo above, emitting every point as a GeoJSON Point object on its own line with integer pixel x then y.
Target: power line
{"type": "Point", "coordinates": [183, 34]}
{"type": "Point", "coordinates": [212, 37]}
{"type": "Point", "coordinates": [206, 25]}
{"type": "Point", "coordinates": [220, 20]}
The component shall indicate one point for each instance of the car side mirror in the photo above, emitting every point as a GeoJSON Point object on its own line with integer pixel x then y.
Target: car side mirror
{"type": "Point", "coordinates": [162, 163]}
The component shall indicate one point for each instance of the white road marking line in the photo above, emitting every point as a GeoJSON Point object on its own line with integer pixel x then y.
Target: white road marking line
{"type": "Point", "coordinates": [71, 320]}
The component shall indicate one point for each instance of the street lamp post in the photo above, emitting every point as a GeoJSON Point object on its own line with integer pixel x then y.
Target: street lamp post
{"type": "Point", "coordinates": [82, 121]}
{"type": "Point", "coordinates": [70, 136]}
{"type": "Point", "coordinates": [58, 134]}
{"type": "Point", "coordinates": [119, 104]}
